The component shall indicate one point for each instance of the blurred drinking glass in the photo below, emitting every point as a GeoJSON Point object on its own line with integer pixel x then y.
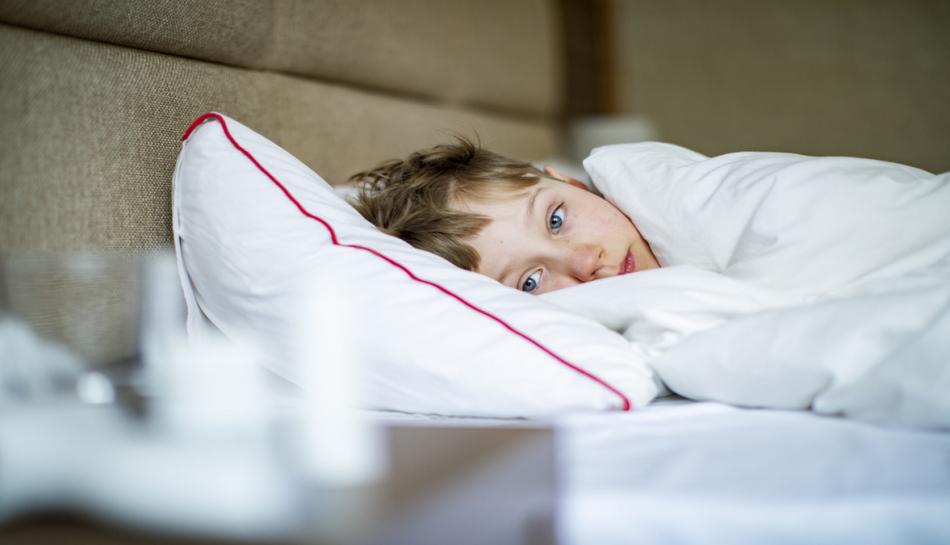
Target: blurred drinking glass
{"type": "Point", "coordinates": [71, 324]}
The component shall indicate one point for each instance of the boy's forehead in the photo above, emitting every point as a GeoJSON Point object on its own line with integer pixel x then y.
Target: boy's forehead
{"type": "Point", "coordinates": [503, 191]}
{"type": "Point", "coordinates": [489, 194]}
{"type": "Point", "coordinates": [515, 205]}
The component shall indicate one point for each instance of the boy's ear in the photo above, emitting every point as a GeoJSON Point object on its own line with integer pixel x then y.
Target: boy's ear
{"type": "Point", "coordinates": [550, 171]}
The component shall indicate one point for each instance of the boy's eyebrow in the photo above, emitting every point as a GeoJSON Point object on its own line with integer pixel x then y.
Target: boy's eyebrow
{"type": "Point", "coordinates": [529, 212]}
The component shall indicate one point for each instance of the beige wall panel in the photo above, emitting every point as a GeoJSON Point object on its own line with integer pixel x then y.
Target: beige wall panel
{"type": "Point", "coordinates": [338, 131]}
{"type": "Point", "coordinates": [868, 78]}
{"type": "Point", "coordinates": [229, 31]}
{"type": "Point", "coordinates": [91, 135]}
{"type": "Point", "coordinates": [498, 54]}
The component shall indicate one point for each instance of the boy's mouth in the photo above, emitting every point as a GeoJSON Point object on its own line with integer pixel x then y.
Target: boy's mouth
{"type": "Point", "coordinates": [629, 265]}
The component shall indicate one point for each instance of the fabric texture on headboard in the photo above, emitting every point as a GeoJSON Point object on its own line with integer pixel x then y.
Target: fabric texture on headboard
{"type": "Point", "coordinates": [495, 54]}
{"type": "Point", "coordinates": [91, 129]}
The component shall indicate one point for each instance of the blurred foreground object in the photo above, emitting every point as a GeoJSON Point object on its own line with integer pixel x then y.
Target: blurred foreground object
{"type": "Point", "coordinates": [176, 439]}
{"type": "Point", "coordinates": [461, 485]}
{"type": "Point", "coordinates": [87, 302]}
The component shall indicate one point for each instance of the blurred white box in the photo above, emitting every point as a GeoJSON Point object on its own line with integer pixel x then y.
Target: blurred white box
{"type": "Point", "coordinates": [589, 132]}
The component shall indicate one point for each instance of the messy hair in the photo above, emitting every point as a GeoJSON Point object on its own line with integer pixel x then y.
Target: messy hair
{"type": "Point", "coordinates": [413, 198]}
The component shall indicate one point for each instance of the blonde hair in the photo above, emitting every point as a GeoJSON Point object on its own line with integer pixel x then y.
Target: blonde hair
{"type": "Point", "coordinates": [412, 198]}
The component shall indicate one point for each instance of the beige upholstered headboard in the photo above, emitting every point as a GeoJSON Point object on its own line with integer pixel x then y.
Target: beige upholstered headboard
{"type": "Point", "coordinates": [95, 94]}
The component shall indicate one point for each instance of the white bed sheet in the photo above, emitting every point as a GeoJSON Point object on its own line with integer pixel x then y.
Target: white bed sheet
{"type": "Point", "coordinates": [712, 473]}
{"type": "Point", "coordinates": [679, 471]}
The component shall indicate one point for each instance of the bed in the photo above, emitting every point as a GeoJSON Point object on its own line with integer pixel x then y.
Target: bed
{"type": "Point", "coordinates": [703, 472]}
{"type": "Point", "coordinates": [274, 99]}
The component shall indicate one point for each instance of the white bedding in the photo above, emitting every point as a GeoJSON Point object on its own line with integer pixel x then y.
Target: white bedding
{"type": "Point", "coordinates": [788, 282]}
{"type": "Point", "coordinates": [708, 473]}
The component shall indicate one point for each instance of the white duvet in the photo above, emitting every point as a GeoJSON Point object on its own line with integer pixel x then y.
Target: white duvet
{"type": "Point", "coordinates": [787, 282]}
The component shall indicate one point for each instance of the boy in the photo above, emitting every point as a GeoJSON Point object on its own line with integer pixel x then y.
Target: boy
{"type": "Point", "coordinates": [530, 230]}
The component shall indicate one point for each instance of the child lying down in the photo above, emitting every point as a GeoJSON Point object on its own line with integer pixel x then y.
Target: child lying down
{"type": "Point", "coordinates": [787, 281]}
{"type": "Point", "coordinates": [530, 230]}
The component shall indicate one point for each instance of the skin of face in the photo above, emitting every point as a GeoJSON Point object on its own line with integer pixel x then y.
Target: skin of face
{"type": "Point", "coordinates": [554, 235]}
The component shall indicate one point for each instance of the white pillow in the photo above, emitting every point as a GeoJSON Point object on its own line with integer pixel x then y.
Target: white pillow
{"type": "Point", "coordinates": [253, 225]}
{"type": "Point", "coordinates": [807, 226]}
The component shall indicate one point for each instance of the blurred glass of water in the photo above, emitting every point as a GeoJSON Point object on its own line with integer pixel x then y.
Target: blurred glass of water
{"type": "Point", "coordinates": [73, 322]}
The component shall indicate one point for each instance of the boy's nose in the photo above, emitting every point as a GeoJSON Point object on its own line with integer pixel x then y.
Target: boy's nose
{"type": "Point", "coordinates": [585, 261]}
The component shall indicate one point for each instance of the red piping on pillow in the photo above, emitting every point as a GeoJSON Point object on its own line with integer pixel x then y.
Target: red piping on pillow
{"type": "Point", "coordinates": [626, 402]}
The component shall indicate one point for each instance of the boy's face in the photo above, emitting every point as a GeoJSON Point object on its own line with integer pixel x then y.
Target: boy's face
{"type": "Point", "coordinates": [556, 234]}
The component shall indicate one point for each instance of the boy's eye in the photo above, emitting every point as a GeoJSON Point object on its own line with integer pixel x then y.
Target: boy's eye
{"type": "Point", "coordinates": [557, 219]}
{"type": "Point", "coordinates": [532, 282]}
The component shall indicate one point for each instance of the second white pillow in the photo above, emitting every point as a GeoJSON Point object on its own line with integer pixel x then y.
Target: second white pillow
{"type": "Point", "coordinates": [804, 225]}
